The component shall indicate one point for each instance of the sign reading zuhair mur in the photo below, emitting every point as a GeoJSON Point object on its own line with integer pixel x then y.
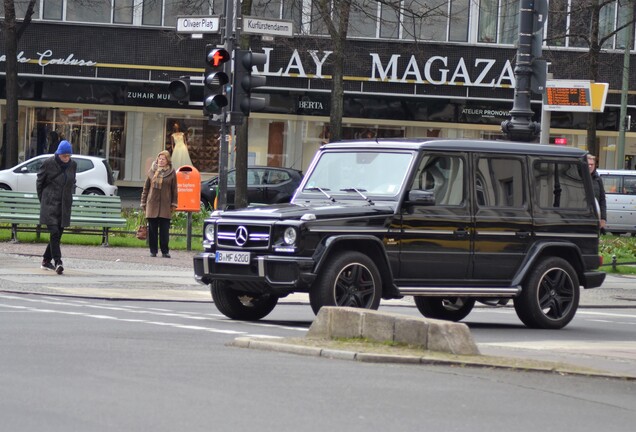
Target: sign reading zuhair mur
{"type": "Point", "coordinates": [268, 27]}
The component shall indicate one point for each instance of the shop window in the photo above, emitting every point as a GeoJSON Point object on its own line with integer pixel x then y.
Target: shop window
{"type": "Point", "coordinates": [201, 143]}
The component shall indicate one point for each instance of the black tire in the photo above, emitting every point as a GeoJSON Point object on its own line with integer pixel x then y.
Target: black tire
{"type": "Point", "coordinates": [348, 279]}
{"type": "Point", "coordinates": [449, 309]}
{"type": "Point", "coordinates": [4, 187]}
{"type": "Point", "coordinates": [550, 295]}
{"type": "Point", "coordinates": [241, 305]}
{"type": "Point", "coordinates": [93, 191]}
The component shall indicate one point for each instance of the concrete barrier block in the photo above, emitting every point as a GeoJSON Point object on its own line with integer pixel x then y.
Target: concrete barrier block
{"type": "Point", "coordinates": [346, 322]}
{"type": "Point", "coordinates": [377, 326]}
{"type": "Point", "coordinates": [451, 337]}
{"type": "Point", "coordinates": [319, 329]}
{"type": "Point", "coordinates": [412, 333]}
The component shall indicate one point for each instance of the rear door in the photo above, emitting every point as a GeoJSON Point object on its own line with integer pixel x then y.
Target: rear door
{"type": "Point", "coordinates": [503, 220]}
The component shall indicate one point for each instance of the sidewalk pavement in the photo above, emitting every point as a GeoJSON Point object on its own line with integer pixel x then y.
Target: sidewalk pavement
{"type": "Point", "coordinates": [130, 273]}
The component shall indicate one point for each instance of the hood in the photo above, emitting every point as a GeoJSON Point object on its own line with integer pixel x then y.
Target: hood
{"type": "Point", "coordinates": [320, 210]}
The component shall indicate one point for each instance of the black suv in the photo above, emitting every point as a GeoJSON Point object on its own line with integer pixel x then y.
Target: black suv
{"type": "Point", "coordinates": [450, 222]}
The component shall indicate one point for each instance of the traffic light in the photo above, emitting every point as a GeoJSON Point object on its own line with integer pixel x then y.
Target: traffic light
{"type": "Point", "coordinates": [244, 81]}
{"type": "Point", "coordinates": [215, 80]}
{"type": "Point", "coordinates": [179, 89]}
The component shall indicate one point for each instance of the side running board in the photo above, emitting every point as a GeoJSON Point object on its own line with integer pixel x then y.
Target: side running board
{"type": "Point", "coordinates": [461, 291]}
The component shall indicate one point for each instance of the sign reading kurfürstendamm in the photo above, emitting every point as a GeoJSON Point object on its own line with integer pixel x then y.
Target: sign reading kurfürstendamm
{"type": "Point", "coordinates": [268, 27]}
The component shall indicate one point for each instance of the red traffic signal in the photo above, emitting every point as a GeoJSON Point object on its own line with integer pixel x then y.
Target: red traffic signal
{"type": "Point", "coordinates": [216, 57]}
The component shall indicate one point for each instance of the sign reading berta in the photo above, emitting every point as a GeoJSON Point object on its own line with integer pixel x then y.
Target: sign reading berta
{"type": "Point", "coordinates": [268, 27]}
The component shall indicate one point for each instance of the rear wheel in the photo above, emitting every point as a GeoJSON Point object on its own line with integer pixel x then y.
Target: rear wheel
{"type": "Point", "coordinates": [93, 191]}
{"type": "Point", "coordinates": [449, 309]}
{"type": "Point", "coordinates": [550, 295]}
{"type": "Point", "coordinates": [240, 305]}
{"type": "Point", "coordinates": [348, 279]}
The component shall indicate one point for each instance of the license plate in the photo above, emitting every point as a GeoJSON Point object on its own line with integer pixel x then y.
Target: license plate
{"type": "Point", "coordinates": [233, 257]}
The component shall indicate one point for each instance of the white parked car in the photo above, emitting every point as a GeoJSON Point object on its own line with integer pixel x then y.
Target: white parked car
{"type": "Point", "coordinates": [94, 175]}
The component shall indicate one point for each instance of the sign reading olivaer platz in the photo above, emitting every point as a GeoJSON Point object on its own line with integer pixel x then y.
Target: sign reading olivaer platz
{"type": "Point", "coordinates": [268, 27]}
{"type": "Point", "coordinates": [197, 24]}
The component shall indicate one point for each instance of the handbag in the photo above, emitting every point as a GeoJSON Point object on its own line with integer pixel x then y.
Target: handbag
{"type": "Point", "coordinates": [142, 232]}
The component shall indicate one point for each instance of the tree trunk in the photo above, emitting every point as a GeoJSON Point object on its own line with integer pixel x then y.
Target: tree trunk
{"type": "Point", "coordinates": [11, 49]}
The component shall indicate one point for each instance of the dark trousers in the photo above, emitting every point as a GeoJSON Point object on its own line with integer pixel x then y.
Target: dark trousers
{"type": "Point", "coordinates": [53, 251]}
{"type": "Point", "coordinates": [159, 227]}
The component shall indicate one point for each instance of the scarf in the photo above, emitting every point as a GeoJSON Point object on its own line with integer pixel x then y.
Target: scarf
{"type": "Point", "coordinates": [159, 174]}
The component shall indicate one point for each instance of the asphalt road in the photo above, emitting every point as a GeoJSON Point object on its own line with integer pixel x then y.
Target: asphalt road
{"type": "Point", "coordinates": [91, 364]}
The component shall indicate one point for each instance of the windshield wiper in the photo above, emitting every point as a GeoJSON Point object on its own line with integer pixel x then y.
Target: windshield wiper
{"type": "Point", "coordinates": [314, 189]}
{"type": "Point", "coordinates": [359, 192]}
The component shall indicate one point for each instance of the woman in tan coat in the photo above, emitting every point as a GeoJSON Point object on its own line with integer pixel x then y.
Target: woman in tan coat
{"type": "Point", "coordinates": [158, 201]}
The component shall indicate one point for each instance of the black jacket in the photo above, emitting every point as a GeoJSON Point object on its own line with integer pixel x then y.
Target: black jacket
{"type": "Point", "coordinates": [55, 187]}
{"type": "Point", "coordinates": [599, 193]}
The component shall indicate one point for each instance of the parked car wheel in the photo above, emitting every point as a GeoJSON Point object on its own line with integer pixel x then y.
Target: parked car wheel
{"type": "Point", "coordinates": [93, 191]}
{"type": "Point", "coordinates": [449, 309]}
{"type": "Point", "coordinates": [348, 279]}
{"type": "Point", "coordinates": [4, 187]}
{"type": "Point", "coordinates": [550, 295]}
{"type": "Point", "coordinates": [239, 305]}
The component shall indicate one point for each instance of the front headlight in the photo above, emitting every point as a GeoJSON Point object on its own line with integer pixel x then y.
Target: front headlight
{"type": "Point", "coordinates": [209, 232]}
{"type": "Point", "coordinates": [289, 236]}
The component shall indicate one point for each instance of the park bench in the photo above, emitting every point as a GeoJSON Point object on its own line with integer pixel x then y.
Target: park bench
{"type": "Point", "coordinates": [90, 214]}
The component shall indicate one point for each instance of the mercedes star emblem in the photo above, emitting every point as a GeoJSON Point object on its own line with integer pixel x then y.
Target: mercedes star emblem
{"type": "Point", "coordinates": [241, 236]}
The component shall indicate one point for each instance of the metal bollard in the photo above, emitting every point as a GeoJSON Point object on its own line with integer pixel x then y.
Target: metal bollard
{"type": "Point", "coordinates": [614, 262]}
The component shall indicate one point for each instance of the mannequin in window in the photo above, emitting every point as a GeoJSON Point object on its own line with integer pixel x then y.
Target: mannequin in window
{"type": "Point", "coordinates": [180, 155]}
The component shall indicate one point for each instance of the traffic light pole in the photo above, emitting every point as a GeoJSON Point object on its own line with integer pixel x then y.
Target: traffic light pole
{"type": "Point", "coordinates": [228, 43]}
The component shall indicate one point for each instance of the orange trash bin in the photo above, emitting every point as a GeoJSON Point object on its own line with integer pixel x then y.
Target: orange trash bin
{"type": "Point", "coordinates": [188, 189]}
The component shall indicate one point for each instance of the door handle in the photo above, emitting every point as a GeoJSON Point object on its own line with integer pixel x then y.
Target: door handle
{"type": "Point", "coordinates": [460, 233]}
{"type": "Point", "coordinates": [523, 234]}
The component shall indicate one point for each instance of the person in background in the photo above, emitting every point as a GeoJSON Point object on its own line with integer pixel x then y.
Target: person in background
{"type": "Point", "coordinates": [159, 201]}
{"type": "Point", "coordinates": [599, 190]}
{"type": "Point", "coordinates": [55, 186]}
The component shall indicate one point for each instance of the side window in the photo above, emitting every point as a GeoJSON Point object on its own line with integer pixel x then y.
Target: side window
{"type": "Point", "coordinates": [34, 166]}
{"type": "Point", "coordinates": [629, 185]}
{"type": "Point", "coordinates": [231, 178]}
{"type": "Point", "coordinates": [276, 177]}
{"type": "Point", "coordinates": [612, 183]}
{"type": "Point", "coordinates": [499, 182]}
{"type": "Point", "coordinates": [444, 176]}
{"type": "Point", "coordinates": [559, 185]}
{"type": "Point", "coordinates": [83, 165]}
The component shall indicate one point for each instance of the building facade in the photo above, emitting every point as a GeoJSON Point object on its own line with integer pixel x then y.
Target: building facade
{"type": "Point", "coordinates": [99, 77]}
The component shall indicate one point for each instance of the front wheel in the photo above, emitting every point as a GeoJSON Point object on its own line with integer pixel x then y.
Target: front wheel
{"type": "Point", "coordinates": [241, 305]}
{"type": "Point", "coordinates": [449, 309]}
{"type": "Point", "coordinates": [4, 187]}
{"type": "Point", "coordinates": [93, 191]}
{"type": "Point", "coordinates": [550, 295]}
{"type": "Point", "coordinates": [348, 279]}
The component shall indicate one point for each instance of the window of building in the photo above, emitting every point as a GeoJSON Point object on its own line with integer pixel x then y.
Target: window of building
{"type": "Point", "coordinates": [557, 23]}
{"type": "Point", "coordinates": [559, 185]}
{"type": "Point", "coordinates": [363, 20]}
{"type": "Point", "coordinates": [509, 23]}
{"type": "Point", "coordinates": [266, 8]}
{"type": "Point", "coordinates": [52, 9]}
{"type": "Point", "coordinates": [487, 21]}
{"type": "Point", "coordinates": [293, 11]}
{"type": "Point", "coordinates": [151, 13]}
{"type": "Point", "coordinates": [93, 12]}
{"type": "Point", "coordinates": [318, 26]}
{"type": "Point", "coordinates": [425, 21]}
{"type": "Point", "coordinates": [459, 20]}
{"type": "Point", "coordinates": [389, 22]}
{"type": "Point", "coordinates": [123, 11]}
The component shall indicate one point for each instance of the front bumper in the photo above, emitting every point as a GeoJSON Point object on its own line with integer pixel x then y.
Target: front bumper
{"type": "Point", "coordinates": [279, 272]}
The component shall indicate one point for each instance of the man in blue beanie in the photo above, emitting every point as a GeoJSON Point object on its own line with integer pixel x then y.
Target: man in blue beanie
{"type": "Point", "coordinates": [55, 187]}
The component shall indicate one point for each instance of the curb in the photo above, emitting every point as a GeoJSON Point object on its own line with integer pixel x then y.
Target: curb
{"type": "Point", "coordinates": [488, 362]}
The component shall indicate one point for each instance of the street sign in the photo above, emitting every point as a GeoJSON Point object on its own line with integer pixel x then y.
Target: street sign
{"type": "Point", "coordinates": [575, 96]}
{"type": "Point", "coordinates": [198, 24]}
{"type": "Point", "coordinates": [255, 25]}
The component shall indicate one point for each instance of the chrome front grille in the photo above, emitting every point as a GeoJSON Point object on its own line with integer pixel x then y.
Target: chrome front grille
{"type": "Point", "coordinates": [243, 236]}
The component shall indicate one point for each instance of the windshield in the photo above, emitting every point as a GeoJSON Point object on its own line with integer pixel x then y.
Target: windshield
{"type": "Point", "coordinates": [359, 173]}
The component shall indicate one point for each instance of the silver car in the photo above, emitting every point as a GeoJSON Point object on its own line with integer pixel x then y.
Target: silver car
{"type": "Point", "coordinates": [94, 175]}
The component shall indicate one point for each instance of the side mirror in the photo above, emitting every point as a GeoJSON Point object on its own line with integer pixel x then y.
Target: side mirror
{"type": "Point", "coordinates": [421, 197]}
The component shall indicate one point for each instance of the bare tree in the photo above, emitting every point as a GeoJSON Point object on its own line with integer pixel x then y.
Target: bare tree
{"type": "Point", "coordinates": [583, 26]}
{"type": "Point", "coordinates": [12, 33]}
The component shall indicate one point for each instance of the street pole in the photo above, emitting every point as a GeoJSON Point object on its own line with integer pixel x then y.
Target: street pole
{"type": "Point", "coordinates": [620, 147]}
{"type": "Point", "coordinates": [228, 44]}
{"type": "Point", "coordinates": [546, 118]}
{"type": "Point", "coordinates": [521, 127]}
